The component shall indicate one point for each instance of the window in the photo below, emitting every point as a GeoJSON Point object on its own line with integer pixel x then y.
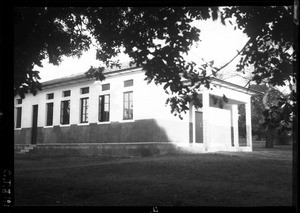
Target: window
{"type": "Point", "coordinates": [128, 106]}
{"type": "Point", "coordinates": [65, 112]}
{"type": "Point", "coordinates": [105, 87]}
{"type": "Point", "coordinates": [50, 96]}
{"type": "Point", "coordinates": [128, 83]}
{"type": "Point", "coordinates": [19, 115]}
{"type": "Point", "coordinates": [49, 118]}
{"type": "Point", "coordinates": [19, 101]}
{"type": "Point", "coordinates": [84, 110]}
{"type": "Point", "coordinates": [66, 93]}
{"type": "Point", "coordinates": [85, 90]}
{"type": "Point", "coordinates": [103, 108]}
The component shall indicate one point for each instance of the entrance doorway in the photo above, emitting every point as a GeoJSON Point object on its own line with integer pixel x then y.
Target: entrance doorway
{"type": "Point", "coordinates": [34, 124]}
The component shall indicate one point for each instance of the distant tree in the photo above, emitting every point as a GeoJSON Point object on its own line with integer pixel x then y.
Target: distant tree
{"type": "Point", "coordinates": [278, 116]}
{"type": "Point", "coordinates": [47, 32]}
{"type": "Point", "coordinates": [272, 50]}
{"type": "Point", "coordinates": [261, 128]}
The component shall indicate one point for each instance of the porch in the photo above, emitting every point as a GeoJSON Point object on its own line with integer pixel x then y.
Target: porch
{"type": "Point", "coordinates": [214, 127]}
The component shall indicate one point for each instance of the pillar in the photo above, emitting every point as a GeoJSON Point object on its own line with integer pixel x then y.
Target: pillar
{"type": "Point", "coordinates": [192, 132]}
{"type": "Point", "coordinates": [206, 127]}
{"type": "Point", "coordinates": [235, 118]}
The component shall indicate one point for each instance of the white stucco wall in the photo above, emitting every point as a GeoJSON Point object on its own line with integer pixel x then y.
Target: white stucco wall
{"type": "Point", "coordinates": [148, 101]}
{"type": "Point", "coordinates": [220, 127]}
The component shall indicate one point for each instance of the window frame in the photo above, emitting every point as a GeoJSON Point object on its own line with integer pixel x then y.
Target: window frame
{"type": "Point", "coordinates": [19, 117]}
{"type": "Point", "coordinates": [19, 101]}
{"type": "Point", "coordinates": [66, 95]}
{"type": "Point", "coordinates": [84, 90]}
{"type": "Point", "coordinates": [62, 112]}
{"type": "Point", "coordinates": [84, 110]}
{"type": "Point", "coordinates": [48, 96]}
{"type": "Point", "coordinates": [130, 82]}
{"type": "Point", "coordinates": [128, 105]}
{"type": "Point", "coordinates": [47, 114]}
{"type": "Point", "coordinates": [101, 108]}
{"type": "Point", "coordinates": [105, 85]}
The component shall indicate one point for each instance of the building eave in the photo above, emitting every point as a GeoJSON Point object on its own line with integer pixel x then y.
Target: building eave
{"type": "Point", "coordinates": [127, 69]}
{"type": "Point", "coordinates": [226, 84]}
{"type": "Point", "coordinates": [82, 77]}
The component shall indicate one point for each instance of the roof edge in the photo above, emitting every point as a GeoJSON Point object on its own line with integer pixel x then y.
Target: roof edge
{"type": "Point", "coordinates": [81, 77]}
{"type": "Point", "coordinates": [253, 91]}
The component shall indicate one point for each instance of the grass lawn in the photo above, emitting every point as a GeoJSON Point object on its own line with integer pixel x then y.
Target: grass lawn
{"type": "Point", "coordinates": [260, 178]}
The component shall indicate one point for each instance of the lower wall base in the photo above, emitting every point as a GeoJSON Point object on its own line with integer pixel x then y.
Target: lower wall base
{"type": "Point", "coordinates": [107, 149]}
{"type": "Point", "coordinates": [124, 149]}
{"type": "Point", "coordinates": [146, 130]}
{"type": "Point", "coordinates": [229, 149]}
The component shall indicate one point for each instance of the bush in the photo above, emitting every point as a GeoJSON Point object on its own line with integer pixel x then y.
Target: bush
{"type": "Point", "coordinates": [283, 138]}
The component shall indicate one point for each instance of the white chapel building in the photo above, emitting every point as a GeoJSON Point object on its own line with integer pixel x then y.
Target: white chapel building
{"type": "Point", "coordinates": [125, 116]}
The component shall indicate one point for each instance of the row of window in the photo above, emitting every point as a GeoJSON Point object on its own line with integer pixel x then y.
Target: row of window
{"type": "Point", "coordinates": [66, 93]}
{"type": "Point", "coordinates": [103, 110]}
{"type": "Point", "coordinates": [103, 106]}
{"type": "Point", "coordinates": [84, 90]}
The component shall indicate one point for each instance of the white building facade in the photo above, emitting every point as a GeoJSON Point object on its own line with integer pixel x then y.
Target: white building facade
{"type": "Point", "coordinates": [124, 116]}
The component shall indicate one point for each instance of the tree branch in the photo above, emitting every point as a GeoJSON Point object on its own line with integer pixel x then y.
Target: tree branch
{"type": "Point", "coordinates": [239, 52]}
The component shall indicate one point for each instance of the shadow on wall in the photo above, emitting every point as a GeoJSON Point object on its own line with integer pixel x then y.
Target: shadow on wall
{"type": "Point", "coordinates": [113, 139]}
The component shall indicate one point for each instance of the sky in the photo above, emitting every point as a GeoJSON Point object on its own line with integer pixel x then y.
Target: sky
{"type": "Point", "coordinates": [218, 42]}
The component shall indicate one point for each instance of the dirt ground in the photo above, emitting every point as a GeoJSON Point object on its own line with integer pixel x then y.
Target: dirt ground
{"type": "Point", "coordinates": [259, 178]}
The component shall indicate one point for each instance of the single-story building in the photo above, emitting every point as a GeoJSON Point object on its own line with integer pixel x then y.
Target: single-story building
{"type": "Point", "coordinates": [125, 116]}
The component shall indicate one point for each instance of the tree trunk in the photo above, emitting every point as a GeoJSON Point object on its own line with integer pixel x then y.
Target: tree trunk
{"type": "Point", "coordinates": [270, 133]}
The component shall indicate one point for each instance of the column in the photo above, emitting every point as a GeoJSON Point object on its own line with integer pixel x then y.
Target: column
{"type": "Point", "coordinates": [235, 118]}
{"type": "Point", "coordinates": [248, 123]}
{"type": "Point", "coordinates": [191, 123]}
{"type": "Point", "coordinates": [205, 103]}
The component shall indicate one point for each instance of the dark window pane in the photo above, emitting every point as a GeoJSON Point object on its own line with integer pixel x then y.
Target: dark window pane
{"type": "Point", "coordinates": [49, 121]}
{"type": "Point", "coordinates": [104, 108]}
{"type": "Point", "coordinates": [128, 83]}
{"type": "Point", "coordinates": [19, 115]}
{"type": "Point", "coordinates": [65, 112]}
{"type": "Point", "coordinates": [85, 90]}
{"type": "Point", "coordinates": [105, 87]}
{"type": "Point", "coordinates": [50, 96]}
{"type": "Point", "coordinates": [19, 101]}
{"type": "Point", "coordinates": [66, 93]}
